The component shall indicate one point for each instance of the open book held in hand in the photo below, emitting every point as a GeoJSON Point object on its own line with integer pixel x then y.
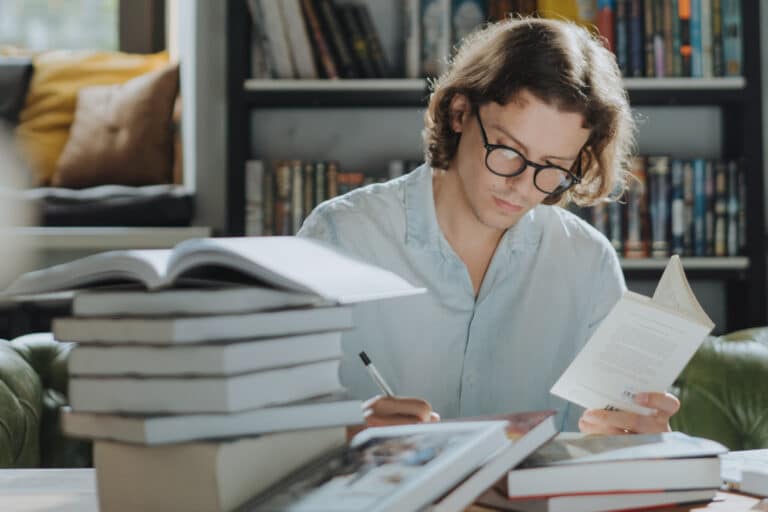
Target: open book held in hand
{"type": "Point", "coordinates": [641, 346]}
{"type": "Point", "coordinates": [284, 262]}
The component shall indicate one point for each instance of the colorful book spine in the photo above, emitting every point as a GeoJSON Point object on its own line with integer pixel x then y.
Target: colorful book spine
{"type": "Point", "coordinates": [648, 38]}
{"type": "Point", "coordinates": [622, 39]}
{"type": "Point", "coordinates": [678, 208]}
{"type": "Point", "coordinates": [699, 208]}
{"type": "Point", "coordinates": [635, 30]}
{"type": "Point", "coordinates": [732, 244]}
{"type": "Point", "coordinates": [684, 14]}
{"type": "Point", "coordinates": [659, 59]}
{"type": "Point", "coordinates": [605, 23]}
{"type": "Point", "coordinates": [688, 207]}
{"type": "Point", "coordinates": [658, 201]}
{"type": "Point", "coordinates": [697, 69]}
{"type": "Point", "coordinates": [320, 43]}
{"type": "Point", "coordinates": [721, 208]}
{"type": "Point", "coordinates": [636, 245]}
{"type": "Point", "coordinates": [718, 68]}
{"type": "Point", "coordinates": [709, 218]}
{"type": "Point", "coordinates": [706, 38]}
{"type": "Point", "coordinates": [676, 58]}
{"type": "Point", "coordinates": [732, 35]}
{"type": "Point", "coordinates": [668, 21]}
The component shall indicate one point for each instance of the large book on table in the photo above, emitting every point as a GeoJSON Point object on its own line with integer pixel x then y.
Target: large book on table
{"type": "Point", "coordinates": [155, 429]}
{"type": "Point", "coordinates": [289, 263]}
{"type": "Point", "coordinates": [204, 394]}
{"type": "Point", "coordinates": [210, 476]}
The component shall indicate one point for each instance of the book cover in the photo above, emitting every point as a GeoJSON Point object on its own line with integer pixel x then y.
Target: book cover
{"type": "Point", "coordinates": [375, 48]}
{"type": "Point", "coordinates": [732, 37]}
{"type": "Point", "coordinates": [642, 345]}
{"type": "Point", "coordinates": [636, 40]}
{"type": "Point", "coordinates": [605, 23]}
{"type": "Point", "coordinates": [298, 39]}
{"type": "Point", "coordinates": [718, 66]}
{"type": "Point", "coordinates": [706, 39]}
{"type": "Point", "coordinates": [697, 43]}
{"type": "Point", "coordinates": [320, 42]}
{"type": "Point", "coordinates": [659, 202]}
{"type": "Point", "coordinates": [648, 38]}
{"type": "Point", "coordinates": [352, 31]}
{"type": "Point", "coordinates": [279, 45]}
{"type": "Point", "coordinates": [684, 13]}
{"type": "Point", "coordinates": [388, 469]}
{"type": "Point", "coordinates": [622, 36]}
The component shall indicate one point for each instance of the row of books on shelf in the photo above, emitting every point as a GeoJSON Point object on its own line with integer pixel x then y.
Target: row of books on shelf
{"type": "Point", "coordinates": [673, 38]}
{"type": "Point", "coordinates": [689, 207]}
{"type": "Point", "coordinates": [281, 194]}
{"type": "Point", "coordinates": [314, 39]}
{"type": "Point", "coordinates": [651, 38]}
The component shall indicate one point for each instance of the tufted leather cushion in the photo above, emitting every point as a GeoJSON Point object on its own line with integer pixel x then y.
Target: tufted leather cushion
{"type": "Point", "coordinates": [724, 391]}
{"type": "Point", "coordinates": [33, 387]}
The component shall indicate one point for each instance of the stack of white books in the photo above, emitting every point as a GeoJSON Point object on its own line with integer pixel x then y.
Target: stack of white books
{"type": "Point", "coordinates": [578, 472]}
{"type": "Point", "coordinates": [201, 393]}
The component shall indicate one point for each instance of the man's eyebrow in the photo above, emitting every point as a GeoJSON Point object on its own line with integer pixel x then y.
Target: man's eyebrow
{"type": "Point", "coordinates": [525, 148]}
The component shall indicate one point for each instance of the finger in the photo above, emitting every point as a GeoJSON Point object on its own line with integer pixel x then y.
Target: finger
{"type": "Point", "coordinates": [391, 420]}
{"type": "Point", "coordinates": [433, 417]}
{"type": "Point", "coordinates": [666, 403]}
{"type": "Point", "coordinates": [588, 427]}
{"type": "Point", "coordinates": [391, 406]}
{"type": "Point", "coordinates": [627, 421]}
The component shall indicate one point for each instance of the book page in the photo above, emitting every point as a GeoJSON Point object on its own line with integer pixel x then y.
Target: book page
{"type": "Point", "coordinates": [639, 347]}
{"type": "Point", "coordinates": [674, 292]}
{"type": "Point", "coordinates": [293, 263]}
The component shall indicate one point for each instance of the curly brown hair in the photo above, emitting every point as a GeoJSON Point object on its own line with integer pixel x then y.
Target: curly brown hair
{"type": "Point", "coordinates": [560, 63]}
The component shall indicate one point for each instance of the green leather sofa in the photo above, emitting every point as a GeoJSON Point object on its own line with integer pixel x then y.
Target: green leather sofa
{"type": "Point", "coordinates": [723, 390]}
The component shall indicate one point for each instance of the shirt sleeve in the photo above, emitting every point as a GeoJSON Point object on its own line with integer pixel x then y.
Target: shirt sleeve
{"type": "Point", "coordinates": [320, 226]}
{"type": "Point", "coordinates": [610, 286]}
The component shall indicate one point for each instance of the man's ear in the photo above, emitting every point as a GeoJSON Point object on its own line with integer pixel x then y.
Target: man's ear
{"type": "Point", "coordinates": [460, 110]}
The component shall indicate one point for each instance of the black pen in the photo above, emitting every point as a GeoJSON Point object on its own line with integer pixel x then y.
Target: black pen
{"type": "Point", "coordinates": [375, 375]}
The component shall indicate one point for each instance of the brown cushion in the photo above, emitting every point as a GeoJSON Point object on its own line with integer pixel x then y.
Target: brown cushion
{"type": "Point", "coordinates": [122, 134]}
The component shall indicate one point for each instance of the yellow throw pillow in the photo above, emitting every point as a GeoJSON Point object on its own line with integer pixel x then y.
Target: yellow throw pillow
{"type": "Point", "coordinates": [47, 116]}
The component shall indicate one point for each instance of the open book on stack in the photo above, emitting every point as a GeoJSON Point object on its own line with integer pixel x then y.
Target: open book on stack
{"type": "Point", "coordinates": [641, 346]}
{"type": "Point", "coordinates": [594, 472]}
{"type": "Point", "coordinates": [219, 366]}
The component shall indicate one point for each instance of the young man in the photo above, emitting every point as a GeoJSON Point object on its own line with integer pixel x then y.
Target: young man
{"type": "Point", "coordinates": [531, 114]}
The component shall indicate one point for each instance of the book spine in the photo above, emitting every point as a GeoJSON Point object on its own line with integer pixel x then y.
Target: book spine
{"type": "Point", "coordinates": [600, 219]}
{"type": "Point", "coordinates": [262, 65]}
{"type": "Point", "coordinates": [635, 30]}
{"type": "Point", "coordinates": [466, 16]}
{"type": "Point", "coordinates": [709, 188]}
{"type": "Point", "coordinates": [678, 208]}
{"type": "Point", "coordinates": [732, 34]}
{"type": "Point", "coordinates": [615, 225]}
{"type": "Point", "coordinates": [636, 237]}
{"type": "Point", "coordinates": [699, 208]}
{"type": "Point", "coordinates": [733, 209]}
{"type": "Point", "coordinates": [278, 39]}
{"type": "Point", "coordinates": [718, 69]}
{"type": "Point", "coordinates": [297, 196]}
{"type": "Point", "coordinates": [684, 13]}
{"type": "Point", "coordinates": [605, 23]}
{"type": "Point", "coordinates": [332, 179]}
{"type": "Point", "coordinates": [648, 37]}
{"type": "Point", "coordinates": [668, 36]}
{"type": "Point", "coordinates": [688, 207]}
{"type": "Point", "coordinates": [706, 38]}
{"type": "Point", "coordinates": [622, 41]}
{"type": "Point", "coordinates": [412, 39]}
{"type": "Point", "coordinates": [697, 70]}
{"type": "Point", "coordinates": [308, 184]}
{"type": "Point", "coordinates": [269, 202]}
{"type": "Point", "coordinates": [376, 49]}
{"type": "Point", "coordinates": [353, 35]}
{"type": "Point", "coordinates": [435, 36]}
{"type": "Point", "coordinates": [320, 187]}
{"type": "Point", "coordinates": [659, 58]}
{"type": "Point", "coordinates": [677, 58]}
{"type": "Point", "coordinates": [742, 214]}
{"type": "Point", "coordinates": [298, 39]}
{"type": "Point", "coordinates": [254, 197]}
{"type": "Point", "coordinates": [321, 45]}
{"type": "Point", "coordinates": [343, 54]}
{"type": "Point", "coordinates": [721, 207]}
{"type": "Point", "coordinates": [658, 175]}
{"type": "Point", "coordinates": [283, 196]}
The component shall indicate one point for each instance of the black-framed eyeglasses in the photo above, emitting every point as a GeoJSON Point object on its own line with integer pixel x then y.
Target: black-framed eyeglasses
{"type": "Point", "coordinates": [508, 162]}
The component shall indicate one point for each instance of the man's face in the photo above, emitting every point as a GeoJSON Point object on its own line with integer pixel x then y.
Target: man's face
{"type": "Point", "coordinates": [540, 132]}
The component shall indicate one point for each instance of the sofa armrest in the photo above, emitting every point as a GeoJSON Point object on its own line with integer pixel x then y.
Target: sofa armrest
{"type": "Point", "coordinates": [20, 410]}
{"type": "Point", "coordinates": [722, 391]}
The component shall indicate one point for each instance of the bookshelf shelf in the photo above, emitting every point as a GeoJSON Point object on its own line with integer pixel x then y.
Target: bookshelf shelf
{"type": "Point", "coordinates": [413, 92]}
{"type": "Point", "coordinates": [738, 99]}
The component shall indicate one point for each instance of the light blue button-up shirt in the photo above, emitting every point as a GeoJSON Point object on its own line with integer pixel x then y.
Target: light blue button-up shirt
{"type": "Point", "coordinates": [551, 281]}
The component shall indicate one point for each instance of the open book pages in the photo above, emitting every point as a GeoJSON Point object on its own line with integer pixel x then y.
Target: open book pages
{"type": "Point", "coordinates": [285, 262]}
{"type": "Point", "coordinates": [388, 469]}
{"type": "Point", "coordinates": [642, 345]}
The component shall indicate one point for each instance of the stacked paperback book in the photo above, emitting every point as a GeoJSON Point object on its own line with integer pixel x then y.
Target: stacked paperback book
{"type": "Point", "coordinates": [579, 472]}
{"type": "Point", "coordinates": [200, 393]}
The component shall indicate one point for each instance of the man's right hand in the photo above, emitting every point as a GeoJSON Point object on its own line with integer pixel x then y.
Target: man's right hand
{"type": "Point", "coordinates": [382, 411]}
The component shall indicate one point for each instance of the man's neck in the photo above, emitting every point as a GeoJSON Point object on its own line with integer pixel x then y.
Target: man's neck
{"type": "Point", "coordinates": [455, 216]}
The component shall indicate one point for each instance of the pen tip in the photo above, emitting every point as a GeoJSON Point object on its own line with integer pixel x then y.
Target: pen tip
{"type": "Point", "coordinates": [364, 357]}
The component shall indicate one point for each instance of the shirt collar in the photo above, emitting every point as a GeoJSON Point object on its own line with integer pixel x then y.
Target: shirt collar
{"type": "Point", "coordinates": [423, 231]}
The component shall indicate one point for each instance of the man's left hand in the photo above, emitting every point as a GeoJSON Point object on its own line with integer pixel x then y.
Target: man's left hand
{"type": "Point", "coordinates": [665, 405]}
